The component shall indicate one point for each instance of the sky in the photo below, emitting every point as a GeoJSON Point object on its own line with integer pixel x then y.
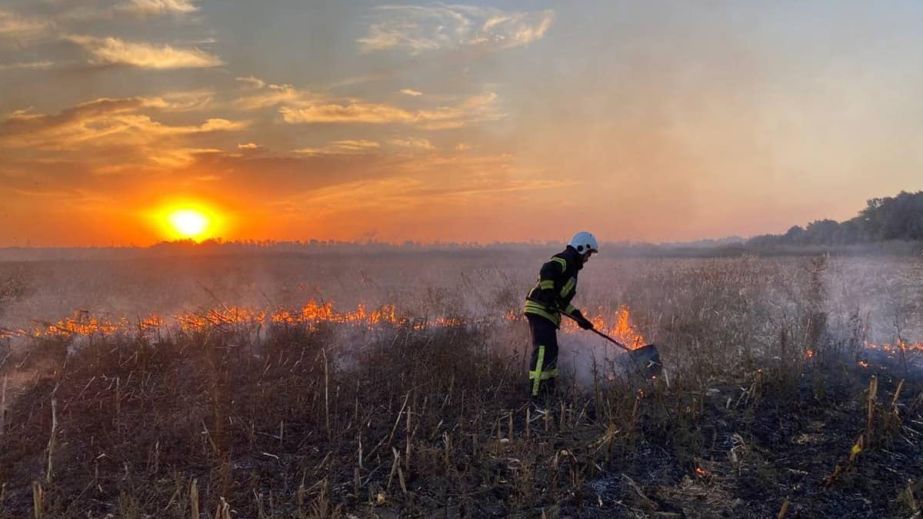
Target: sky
{"type": "Point", "coordinates": [478, 122]}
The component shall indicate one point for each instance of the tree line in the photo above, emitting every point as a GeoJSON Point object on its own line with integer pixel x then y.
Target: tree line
{"type": "Point", "coordinates": [883, 219]}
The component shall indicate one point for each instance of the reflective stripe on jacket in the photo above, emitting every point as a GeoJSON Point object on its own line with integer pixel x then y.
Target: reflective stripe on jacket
{"type": "Point", "coordinates": [559, 274]}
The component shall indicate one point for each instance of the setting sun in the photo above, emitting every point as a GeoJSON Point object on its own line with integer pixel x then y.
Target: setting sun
{"type": "Point", "coordinates": [189, 223]}
{"type": "Point", "coordinates": [188, 220]}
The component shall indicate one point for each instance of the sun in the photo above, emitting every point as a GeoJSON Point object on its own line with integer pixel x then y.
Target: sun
{"type": "Point", "coordinates": [188, 219]}
{"type": "Point", "coordinates": [190, 223]}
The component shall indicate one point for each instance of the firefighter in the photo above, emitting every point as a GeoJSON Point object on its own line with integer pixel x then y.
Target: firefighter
{"type": "Point", "coordinates": [552, 295]}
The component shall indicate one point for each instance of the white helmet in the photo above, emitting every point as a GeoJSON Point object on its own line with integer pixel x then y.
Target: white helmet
{"type": "Point", "coordinates": [584, 242]}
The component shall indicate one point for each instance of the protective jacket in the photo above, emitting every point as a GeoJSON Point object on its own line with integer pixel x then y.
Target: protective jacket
{"type": "Point", "coordinates": [559, 275]}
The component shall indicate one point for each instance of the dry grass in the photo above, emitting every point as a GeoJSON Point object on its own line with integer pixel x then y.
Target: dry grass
{"type": "Point", "coordinates": [335, 419]}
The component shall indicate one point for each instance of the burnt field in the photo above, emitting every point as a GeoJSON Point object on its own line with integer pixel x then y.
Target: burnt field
{"type": "Point", "coordinates": [391, 385]}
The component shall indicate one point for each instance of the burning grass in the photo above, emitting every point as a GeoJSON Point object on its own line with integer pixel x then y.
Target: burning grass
{"type": "Point", "coordinates": [297, 426]}
{"type": "Point", "coordinates": [774, 402]}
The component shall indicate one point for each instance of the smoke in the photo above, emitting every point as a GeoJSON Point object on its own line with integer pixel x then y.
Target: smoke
{"type": "Point", "coordinates": [588, 358]}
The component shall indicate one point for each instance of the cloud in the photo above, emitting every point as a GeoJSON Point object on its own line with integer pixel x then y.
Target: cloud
{"type": "Point", "coordinates": [302, 107]}
{"type": "Point", "coordinates": [343, 147]}
{"type": "Point", "coordinates": [102, 123]}
{"type": "Point", "coordinates": [251, 81]}
{"type": "Point", "coordinates": [249, 146]}
{"type": "Point", "coordinates": [353, 111]}
{"type": "Point", "coordinates": [419, 29]}
{"type": "Point", "coordinates": [29, 65]}
{"type": "Point", "coordinates": [19, 27]}
{"type": "Point", "coordinates": [267, 95]}
{"type": "Point", "coordinates": [181, 101]}
{"type": "Point", "coordinates": [414, 143]}
{"type": "Point", "coordinates": [145, 55]}
{"type": "Point", "coordinates": [411, 92]}
{"type": "Point", "coordinates": [157, 7]}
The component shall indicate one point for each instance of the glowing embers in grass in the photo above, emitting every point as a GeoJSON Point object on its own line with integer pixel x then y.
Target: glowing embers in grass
{"type": "Point", "coordinates": [897, 348]}
{"type": "Point", "coordinates": [901, 352]}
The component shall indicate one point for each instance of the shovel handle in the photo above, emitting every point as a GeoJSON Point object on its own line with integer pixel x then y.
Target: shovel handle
{"type": "Point", "coordinates": [604, 336]}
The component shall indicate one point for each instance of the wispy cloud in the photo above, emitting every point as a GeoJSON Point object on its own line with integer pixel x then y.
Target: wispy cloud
{"type": "Point", "coordinates": [181, 101]}
{"type": "Point", "coordinates": [16, 26]}
{"type": "Point", "coordinates": [158, 7]}
{"type": "Point", "coordinates": [30, 65]}
{"type": "Point", "coordinates": [425, 28]}
{"type": "Point", "coordinates": [302, 107]}
{"type": "Point", "coordinates": [357, 111]}
{"type": "Point", "coordinates": [145, 55]}
{"type": "Point", "coordinates": [263, 95]}
{"type": "Point", "coordinates": [342, 147]}
{"type": "Point", "coordinates": [414, 143]}
{"type": "Point", "coordinates": [103, 122]}
{"type": "Point", "coordinates": [251, 81]}
{"type": "Point", "coordinates": [411, 92]}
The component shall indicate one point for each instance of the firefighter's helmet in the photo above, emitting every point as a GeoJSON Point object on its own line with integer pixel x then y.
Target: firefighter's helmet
{"type": "Point", "coordinates": [584, 242]}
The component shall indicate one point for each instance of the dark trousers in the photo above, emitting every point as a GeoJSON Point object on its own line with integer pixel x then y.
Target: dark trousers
{"type": "Point", "coordinates": [543, 366]}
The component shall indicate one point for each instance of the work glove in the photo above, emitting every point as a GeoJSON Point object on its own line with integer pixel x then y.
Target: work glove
{"type": "Point", "coordinates": [582, 321]}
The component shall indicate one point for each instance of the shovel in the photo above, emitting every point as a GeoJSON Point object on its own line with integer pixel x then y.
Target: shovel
{"type": "Point", "coordinates": [646, 358]}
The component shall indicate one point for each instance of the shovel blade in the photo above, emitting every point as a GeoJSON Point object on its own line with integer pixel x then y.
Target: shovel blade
{"type": "Point", "coordinates": [647, 358]}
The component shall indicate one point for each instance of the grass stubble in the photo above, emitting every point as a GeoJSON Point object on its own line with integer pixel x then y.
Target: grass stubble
{"type": "Point", "coordinates": [766, 413]}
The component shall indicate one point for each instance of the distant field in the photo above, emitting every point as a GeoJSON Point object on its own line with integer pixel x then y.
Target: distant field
{"type": "Point", "coordinates": [886, 292]}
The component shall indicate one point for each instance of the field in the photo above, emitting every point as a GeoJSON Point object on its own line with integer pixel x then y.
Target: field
{"type": "Point", "coordinates": [393, 384]}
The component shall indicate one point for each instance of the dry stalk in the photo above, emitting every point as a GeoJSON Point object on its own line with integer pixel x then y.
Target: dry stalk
{"type": "Point", "coordinates": [326, 391]}
{"type": "Point", "coordinates": [528, 423]}
{"type": "Point", "coordinates": [359, 437]}
{"type": "Point", "coordinates": [409, 434]}
{"type": "Point", "coordinates": [118, 401]}
{"type": "Point", "coordinates": [909, 498]}
{"type": "Point", "coordinates": [38, 500]}
{"type": "Point", "coordinates": [897, 394]}
{"type": "Point", "coordinates": [396, 469]}
{"type": "Point", "coordinates": [3, 406]}
{"type": "Point", "coordinates": [447, 440]}
{"type": "Point", "coordinates": [783, 512]}
{"type": "Point", "coordinates": [872, 397]}
{"type": "Point", "coordinates": [223, 510]}
{"type": "Point", "coordinates": [51, 440]}
{"type": "Point", "coordinates": [194, 499]}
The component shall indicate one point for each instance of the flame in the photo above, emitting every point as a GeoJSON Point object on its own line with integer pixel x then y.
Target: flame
{"type": "Point", "coordinates": [621, 328]}
{"type": "Point", "coordinates": [701, 472]}
{"type": "Point", "coordinates": [809, 354]}
{"type": "Point", "coordinates": [863, 363]}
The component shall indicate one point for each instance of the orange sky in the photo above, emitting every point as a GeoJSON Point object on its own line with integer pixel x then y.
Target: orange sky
{"type": "Point", "coordinates": [512, 121]}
